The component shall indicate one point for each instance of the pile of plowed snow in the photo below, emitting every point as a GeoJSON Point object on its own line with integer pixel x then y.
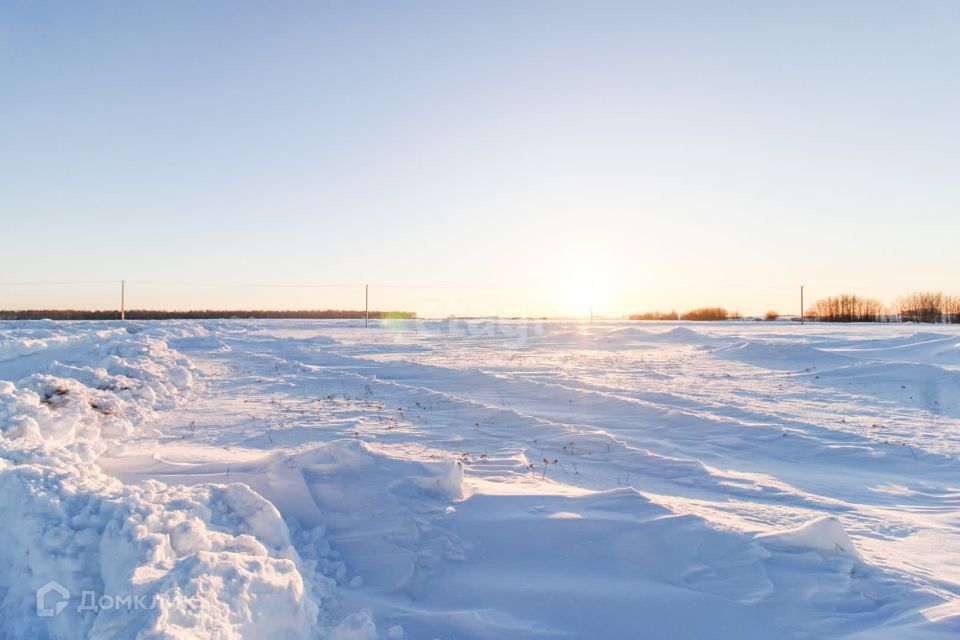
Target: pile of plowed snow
{"type": "Point", "coordinates": [120, 560]}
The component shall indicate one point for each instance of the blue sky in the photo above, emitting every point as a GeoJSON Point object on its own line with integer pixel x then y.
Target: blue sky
{"type": "Point", "coordinates": [494, 157]}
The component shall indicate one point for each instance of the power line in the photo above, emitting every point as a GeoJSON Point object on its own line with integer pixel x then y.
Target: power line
{"type": "Point", "coordinates": [265, 285]}
{"type": "Point", "coordinates": [434, 286]}
{"type": "Point", "coordinates": [41, 284]}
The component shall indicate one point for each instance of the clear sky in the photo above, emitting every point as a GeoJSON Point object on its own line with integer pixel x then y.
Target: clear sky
{"type": "Point", "coordinates": [491, 157]}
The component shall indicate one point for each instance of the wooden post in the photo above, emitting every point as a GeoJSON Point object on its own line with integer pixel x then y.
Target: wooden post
{"type": "Point", "coordinates": [123, 299]}
{"type": "Point", "coordinates": [366, 304]}
{"type": "Point", "coordinates": [801, 305]}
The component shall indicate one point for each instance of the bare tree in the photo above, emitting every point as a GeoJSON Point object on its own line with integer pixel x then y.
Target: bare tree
{"type": "Point", "coordinates": [951, 309]}
{"type": "Point", "coordinates": [846, 308]}
{"type": "Point", "coordinates": [656, 315]}
{"type": "Point", "coordinates": [706, 313]}
{"type": "Point", "coordinates": [922, 307]}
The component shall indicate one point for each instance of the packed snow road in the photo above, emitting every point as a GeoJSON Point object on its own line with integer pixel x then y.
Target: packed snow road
{"type": "Point", "coordinates": [448, 479]}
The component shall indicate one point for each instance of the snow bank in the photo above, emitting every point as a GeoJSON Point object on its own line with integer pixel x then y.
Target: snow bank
{"type": "Point", "coordinates": [148, 559]}
{"type": "Point", "coordinates": [209, 560]}
{"type": "Point", "coordinates": [102, 387]}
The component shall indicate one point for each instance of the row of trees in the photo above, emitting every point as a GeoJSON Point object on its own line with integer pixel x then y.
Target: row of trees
{"type": "Point", "coordinates": [146, 314]}
{"type": "Point", "coordinates": [928, 307]}
{"type": "Point", "coordinates": [846, 308]}
{"type": "Point", "coordinates": [701, 314]}
{"type": "Point", "coordinates": [656, 315]}
{"type": "Point", "coordinates": [708, 313]}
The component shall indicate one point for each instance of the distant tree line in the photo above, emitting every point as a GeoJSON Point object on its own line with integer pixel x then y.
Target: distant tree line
{"type": "Point", "coordinates": [656, 315]}
{"type": "Point", "coordinates": [701, 314]}
{"type": "Point", "coordinates": [926, 307]}
{"type": "Point", "coordinates": [204, 314]}
{"type": "Point", "coordinates": [846, 308]}
{"type": "Point", "coordinates": [929, 307]}
{"type": "Point", "coordinates": [707, 314]}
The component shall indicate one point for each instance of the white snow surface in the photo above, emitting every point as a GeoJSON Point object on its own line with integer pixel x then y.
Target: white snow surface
{"type": "Point", "coordinates": [479, 479]}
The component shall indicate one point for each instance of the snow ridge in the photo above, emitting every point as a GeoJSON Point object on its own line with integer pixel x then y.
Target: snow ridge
{"type": "Point", "coordinates": [144, 560]}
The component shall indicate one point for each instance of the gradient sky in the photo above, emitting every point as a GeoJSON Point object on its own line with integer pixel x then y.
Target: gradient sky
{"type": "Point", "coordinates": [490, 157]}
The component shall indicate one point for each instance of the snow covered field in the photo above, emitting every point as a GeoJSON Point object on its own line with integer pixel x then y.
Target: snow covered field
{"type": "Point", "coordinates": [434, 479]}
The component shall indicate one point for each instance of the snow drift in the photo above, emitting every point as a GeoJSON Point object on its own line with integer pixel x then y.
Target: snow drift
{"type": "Point", "coordinates": [136, 560]}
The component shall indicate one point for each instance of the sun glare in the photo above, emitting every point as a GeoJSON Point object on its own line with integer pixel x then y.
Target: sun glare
{"type": "Point", "coordinates": [585, 296]}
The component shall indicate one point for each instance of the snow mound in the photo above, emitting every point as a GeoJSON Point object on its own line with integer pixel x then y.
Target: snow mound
{"type": "Point", "coordinates": [783, 356]}
{"type": "Point", "coordinates": [65, 404]}
{"type": "Point", "coordinates": [207, 561]}
{"type": "Point", "coordinates": [825, 535]}
{"type": "Point", "coordinates": [356, 626]}
{"type": "Point", "coordinates": [677, 335]}
{"type": "Point", "coordinates": [356, 465]}
{"type": "Point", "coordinates": [150, 559]}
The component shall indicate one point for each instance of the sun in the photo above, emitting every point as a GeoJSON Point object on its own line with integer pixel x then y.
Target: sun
{"type": "Point", "coordinates": [585, 296]}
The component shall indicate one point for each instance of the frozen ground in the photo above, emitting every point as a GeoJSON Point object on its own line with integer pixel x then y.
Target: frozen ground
{"type": "Point", "coordinates": [290, 479]}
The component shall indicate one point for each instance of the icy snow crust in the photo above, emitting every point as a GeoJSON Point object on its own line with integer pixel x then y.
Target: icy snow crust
{"type": "Point", "coordinates": [446, 479]}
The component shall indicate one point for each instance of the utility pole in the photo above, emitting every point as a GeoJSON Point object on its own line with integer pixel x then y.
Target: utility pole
{"type": "Point", "coordinates": [123, 299]}
{"type": "Point", "coordinates": [366, 304]}
{"type": "Point", "coordinates": [801, 305]}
